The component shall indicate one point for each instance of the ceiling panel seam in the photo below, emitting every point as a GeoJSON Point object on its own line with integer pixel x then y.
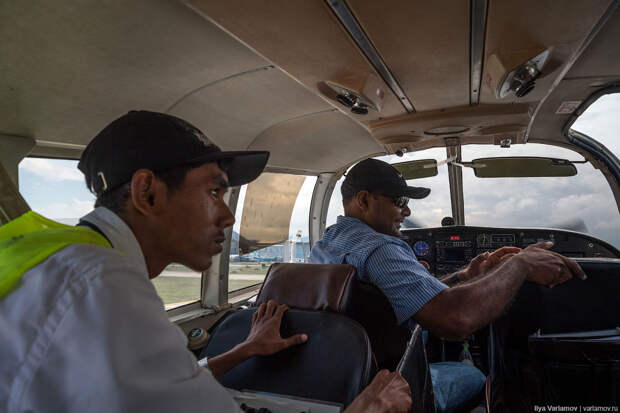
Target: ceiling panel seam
{"type": "Point", "coordinates": [478, 21]}
{"type": "Point", "coordinates": [305, 115]}
{"type": "Point", "coordinates": [215, 82]}
{"type": "Point", "coordinates": [352, 26]}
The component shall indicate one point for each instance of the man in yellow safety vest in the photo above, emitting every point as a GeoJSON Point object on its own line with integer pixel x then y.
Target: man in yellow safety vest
{"type": "Point", "coordinates": [81, 325]}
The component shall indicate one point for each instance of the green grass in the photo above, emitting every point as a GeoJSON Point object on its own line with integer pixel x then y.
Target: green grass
{"type": "Point", "coordinates": [180, 289]}
{"type": "Point", "coordinates": [238, 284]}
{"type": "Point", "coordinates": [177, 289]}
{"type": "Point", "coordinates": [179, 267]}
{"type": "Point", "coordinates": [248, 267]}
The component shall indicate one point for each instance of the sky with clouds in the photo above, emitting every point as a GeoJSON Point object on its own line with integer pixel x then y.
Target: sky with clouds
{"type": "Point", "coordinates": [55, 188]}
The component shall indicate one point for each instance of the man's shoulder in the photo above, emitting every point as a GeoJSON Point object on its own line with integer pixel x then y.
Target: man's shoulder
{"type": "Point", "coordinates": [89, 259]}
{"type": "Point", "coordinates": [359, 234]}
{"type": "Point", "coordinates": [80, 265]}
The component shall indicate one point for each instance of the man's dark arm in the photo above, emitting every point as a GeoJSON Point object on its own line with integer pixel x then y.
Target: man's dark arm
{"type": "Point", "coordinates": [451, 279]}
{"type": "Point", "coordinates": [457, 312]}
{"type": "Point", "coordinates": [479, 266]}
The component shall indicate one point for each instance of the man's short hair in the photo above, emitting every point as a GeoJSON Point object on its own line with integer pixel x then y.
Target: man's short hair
{"type": "Point", "coordinates": [117, 198]}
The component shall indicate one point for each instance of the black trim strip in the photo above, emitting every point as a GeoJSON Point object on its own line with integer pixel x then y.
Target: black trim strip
{"type": "Point", "coordinates": [478, 21]}
{"type": "Point", "coordinates": [352, 26]}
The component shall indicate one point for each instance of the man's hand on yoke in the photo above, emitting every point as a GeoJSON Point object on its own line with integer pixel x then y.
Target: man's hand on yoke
{"type": "Point", "coordinates": [388, 392]}
{"type": "Point", "coordinates": [264, 337]}
{"type": "Point", "coordinates": [547, 267]}
{"type": "Point", "coordinates": [486, 261]}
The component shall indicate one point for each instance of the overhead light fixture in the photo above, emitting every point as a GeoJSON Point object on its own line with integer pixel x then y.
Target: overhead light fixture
{"type": "Point", "coordinates": [356, 102]}
{"type": "Point", "coordinates": [516, 73]}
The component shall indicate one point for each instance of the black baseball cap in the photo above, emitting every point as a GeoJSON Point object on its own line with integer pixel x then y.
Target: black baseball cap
{"type": "Point", "coordinates": [375, 175]}
{"type": "Point", "coordinates": [157, 141]}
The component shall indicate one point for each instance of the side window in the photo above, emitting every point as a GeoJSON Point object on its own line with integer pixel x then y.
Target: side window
{"type": "Point", "coordinates": [271, 225]}
{"type": "Point", "coordinates": [600, 121]}
{"type": "Point", "coordinates": [55, 188]}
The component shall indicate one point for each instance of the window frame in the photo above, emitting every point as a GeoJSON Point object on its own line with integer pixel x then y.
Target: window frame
{"type": "Point", "coordinates": [601, 157]}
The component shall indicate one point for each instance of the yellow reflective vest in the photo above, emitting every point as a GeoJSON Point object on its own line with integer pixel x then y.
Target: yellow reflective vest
{"type": "Point", "coordinates": [30, 240]}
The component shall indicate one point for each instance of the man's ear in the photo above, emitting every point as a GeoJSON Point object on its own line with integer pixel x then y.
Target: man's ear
{"type": "Point", "coordinates": [147, 192]}
{"type": "Point", "coordinates": [361, 199]}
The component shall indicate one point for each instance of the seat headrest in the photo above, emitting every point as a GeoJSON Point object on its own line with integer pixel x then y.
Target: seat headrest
{"type": "Point", "coordinates": [308, 286]}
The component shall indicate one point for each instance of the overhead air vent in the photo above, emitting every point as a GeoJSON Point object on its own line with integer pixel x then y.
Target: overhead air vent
{"type": "Point", "coordinates": [353, 27]}
{"type": "Point", "coordinates": [355, 101]}
{"type": "Point", "coordinates": [516, 72]}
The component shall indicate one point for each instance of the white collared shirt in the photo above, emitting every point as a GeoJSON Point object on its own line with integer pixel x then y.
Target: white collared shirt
{"type": "Point", "coordinates": [86, 332]}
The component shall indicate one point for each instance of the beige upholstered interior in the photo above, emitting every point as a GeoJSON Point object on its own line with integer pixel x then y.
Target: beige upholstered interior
{"type": "Point", "coordinates": [250, 73]}
{"type": "Point", "coordinates": [426, 47]}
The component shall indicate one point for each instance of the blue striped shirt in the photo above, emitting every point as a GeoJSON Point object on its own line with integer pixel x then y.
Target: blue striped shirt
{"type": "Point", "coordinates": [383, 260]}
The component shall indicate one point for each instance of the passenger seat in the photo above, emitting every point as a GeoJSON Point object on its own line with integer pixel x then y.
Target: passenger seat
{"type": "Point", "coordinates": [334, 365]}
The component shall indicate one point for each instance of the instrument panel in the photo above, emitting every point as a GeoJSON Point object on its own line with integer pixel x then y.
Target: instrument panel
{"type": "Point", "coordinates": [448, 249]}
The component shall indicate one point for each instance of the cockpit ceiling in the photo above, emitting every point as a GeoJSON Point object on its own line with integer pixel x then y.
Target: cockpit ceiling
{"type": "Point", "coordinates": [251, 74]}
{"type": "Point", "coordinates": [596, 67]}
{"type": "Point", "coordinates": [518, 26]}
{"type": "Point", "coordinates": [74, 66]}
{"type": "Point", "coordinates": [426, 46]}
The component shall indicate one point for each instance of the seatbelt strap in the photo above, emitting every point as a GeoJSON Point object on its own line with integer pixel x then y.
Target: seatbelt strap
{"type": "Point", "coordinates": [30, 239]}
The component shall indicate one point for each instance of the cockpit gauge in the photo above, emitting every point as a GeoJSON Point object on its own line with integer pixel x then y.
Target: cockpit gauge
{"type": "Point", "coordinates": [484, 240]}
{"type": "Point", "coordinates": [421, 248]}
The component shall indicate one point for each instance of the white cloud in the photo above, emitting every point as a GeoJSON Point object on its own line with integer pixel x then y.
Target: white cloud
{"type": "Point", "coordinates": [301, 211]}
{"type": "Point", "coordinates": [51, 170]}
{"type": "Point", "coordinates": [66, 211]}
{"type": "Point", "coordinates": [601, 122]}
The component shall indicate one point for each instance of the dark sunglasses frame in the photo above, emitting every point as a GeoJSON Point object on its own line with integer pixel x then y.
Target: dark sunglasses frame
{"type": "Point", "coordinates": [398, 201]}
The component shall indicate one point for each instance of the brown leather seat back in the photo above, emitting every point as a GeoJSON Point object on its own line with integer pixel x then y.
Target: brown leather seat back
{"type": "Point", "coordinates": [335, 287]}
{"type": "Point", "coordinates": [319, 287]}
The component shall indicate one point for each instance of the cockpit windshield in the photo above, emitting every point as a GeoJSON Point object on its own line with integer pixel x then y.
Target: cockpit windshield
{"type": "Point", "coordinates": [583, 202]}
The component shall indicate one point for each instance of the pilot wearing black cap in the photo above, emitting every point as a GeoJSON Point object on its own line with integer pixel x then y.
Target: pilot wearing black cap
{"type": "Point", "coordinates": [86, 330]}
{"type": "Point", "coordinates": [375, 197]}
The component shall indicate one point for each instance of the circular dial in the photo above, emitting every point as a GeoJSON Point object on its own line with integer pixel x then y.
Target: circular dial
{"type": "Point", "coordinates": [421, 248]}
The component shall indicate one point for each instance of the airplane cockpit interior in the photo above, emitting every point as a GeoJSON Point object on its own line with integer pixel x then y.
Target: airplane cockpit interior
{"type": "Point", "coordinates": [507, 110]}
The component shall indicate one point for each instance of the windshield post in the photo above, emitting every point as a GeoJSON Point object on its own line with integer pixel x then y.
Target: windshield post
{"type": "Point", "coordinates": [321, 196]}
{"type": "Point", "coordinates": [455, 176]}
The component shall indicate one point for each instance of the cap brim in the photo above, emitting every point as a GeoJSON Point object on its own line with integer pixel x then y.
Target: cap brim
{"type": "Point", "coordinates": [242, 167]}
{"type": "Point", "coordinates": [413, 192]}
